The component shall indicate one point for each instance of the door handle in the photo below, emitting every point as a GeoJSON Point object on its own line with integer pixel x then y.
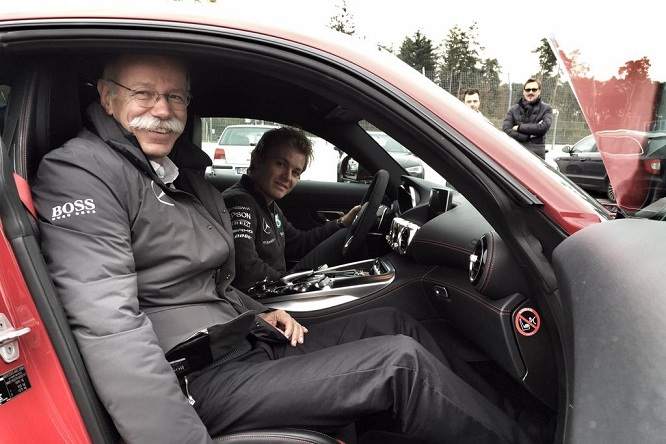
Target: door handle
{"type": "Point", "coordinates": [9, 349]}
{"type": "Point", "coordinates": [330, 215]}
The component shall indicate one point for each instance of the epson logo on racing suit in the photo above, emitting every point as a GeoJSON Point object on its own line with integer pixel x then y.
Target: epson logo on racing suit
{"type": "Point", "coordinates": [76, 208]}
{"type": "Point", "coordinates": [244, 215]}
{"type": "Point", "coordinates": [240, 212]}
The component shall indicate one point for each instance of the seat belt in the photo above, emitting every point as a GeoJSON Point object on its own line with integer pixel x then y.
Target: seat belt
{"type": "Point", "coordinates": [22, 186]}
{"type": "Point", "coordinates": [24, 193]}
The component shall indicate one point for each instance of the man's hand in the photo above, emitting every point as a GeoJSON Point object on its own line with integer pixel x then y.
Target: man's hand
{"type": "Point", "coordinates": [281, 320]}
{"type": "Point", "coordinates": [348, 218]}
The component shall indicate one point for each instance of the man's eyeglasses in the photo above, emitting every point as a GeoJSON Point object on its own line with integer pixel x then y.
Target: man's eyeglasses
{"type": "Point", "coordinates": [531, 90]}
{"type": "Point", "coordinates": [148, 97]}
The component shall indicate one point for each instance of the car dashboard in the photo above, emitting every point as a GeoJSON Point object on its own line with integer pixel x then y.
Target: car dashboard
{"type": "Point", "coordinates": [462, 268]}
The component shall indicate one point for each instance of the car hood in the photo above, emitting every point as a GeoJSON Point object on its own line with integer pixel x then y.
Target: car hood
{"type": "Point", "coordinates": [621, 94]}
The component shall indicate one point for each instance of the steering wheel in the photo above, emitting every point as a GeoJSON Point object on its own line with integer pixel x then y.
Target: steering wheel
{"type": "Point", "coordinates": [359, 229]}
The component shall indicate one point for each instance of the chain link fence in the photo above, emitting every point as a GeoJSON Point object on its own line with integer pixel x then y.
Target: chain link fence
{"type": "Point", "coordinates": [568, 125]}
{"type": "Point", "coordinates": [498, 96]}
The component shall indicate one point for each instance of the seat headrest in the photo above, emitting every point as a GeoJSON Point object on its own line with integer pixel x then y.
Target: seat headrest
{"type": "Point", "coordinates": [187, 152]}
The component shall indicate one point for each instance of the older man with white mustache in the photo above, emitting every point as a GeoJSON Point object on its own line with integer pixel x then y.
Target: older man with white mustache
{"type": "Point", "coordinates": [130, 95]}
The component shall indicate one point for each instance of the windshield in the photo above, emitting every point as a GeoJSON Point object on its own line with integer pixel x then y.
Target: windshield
{"type": "Point", "coordinates": [621, 94]}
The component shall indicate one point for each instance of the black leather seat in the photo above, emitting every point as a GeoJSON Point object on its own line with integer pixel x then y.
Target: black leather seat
{"type": "Point", "coordinates": [43, 112]}
{"type": "Point", "coordinates": [35, 123]}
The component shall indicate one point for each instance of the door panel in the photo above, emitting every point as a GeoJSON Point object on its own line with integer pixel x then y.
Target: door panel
{"type": "Point", "coordinates": [305, 205]}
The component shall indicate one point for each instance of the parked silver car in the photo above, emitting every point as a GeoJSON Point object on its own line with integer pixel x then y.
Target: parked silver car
{"type": "Point", "coordinates": [235, 146]}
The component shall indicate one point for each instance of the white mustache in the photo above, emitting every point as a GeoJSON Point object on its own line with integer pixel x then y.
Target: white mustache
{"type": "Point", "coordinates": [152, 123]}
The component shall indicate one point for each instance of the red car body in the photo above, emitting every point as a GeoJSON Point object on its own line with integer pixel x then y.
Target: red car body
{"type": "Point", "coordinates": [36, 404]}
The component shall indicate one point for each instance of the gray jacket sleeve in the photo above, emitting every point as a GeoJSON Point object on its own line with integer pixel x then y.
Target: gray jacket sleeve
{"type": "Point", "coordinates": [90, 258]}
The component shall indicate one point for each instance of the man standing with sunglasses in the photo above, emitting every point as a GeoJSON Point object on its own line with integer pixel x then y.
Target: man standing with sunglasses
{"type": "Point", "coordinates": [529, 120]}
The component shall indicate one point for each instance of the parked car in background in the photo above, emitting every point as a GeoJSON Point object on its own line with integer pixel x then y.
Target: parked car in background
{"type": "Point", "coordinates": [349, 169]}
{"type": "Point", "coordinates": [412, 164]}
{"type": "Point", "coordinates": [638, 157]}
{"type": "Point", "coordinates": [553, 153]}
{"type": "Point", "coordinates": [582, 163]}
{"type": "Point", "coordinates": [234, 147]}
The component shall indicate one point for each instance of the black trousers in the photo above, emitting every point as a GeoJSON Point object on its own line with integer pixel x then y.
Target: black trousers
{"type": "Point", "coordinates": [370, 362]}
{"type": "Point", "coordinates": [538, 150]}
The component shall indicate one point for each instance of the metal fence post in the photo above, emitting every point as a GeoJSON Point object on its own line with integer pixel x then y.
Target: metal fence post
{"type": "Point", "coordinates": [556, 113]}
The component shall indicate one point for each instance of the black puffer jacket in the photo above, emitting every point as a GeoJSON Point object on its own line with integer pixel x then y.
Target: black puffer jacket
{"type": "Point", "coordinates": [533, 120]}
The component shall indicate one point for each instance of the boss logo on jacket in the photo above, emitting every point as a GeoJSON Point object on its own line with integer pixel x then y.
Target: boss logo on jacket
{"type": "Point", "coordinates": [78, 207]}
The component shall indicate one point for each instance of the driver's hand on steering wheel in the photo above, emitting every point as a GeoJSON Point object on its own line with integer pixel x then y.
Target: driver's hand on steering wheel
{"type": "Point", "coordinates": [289, 327]}
{"type": "Point", "coordinates": [348, 218]}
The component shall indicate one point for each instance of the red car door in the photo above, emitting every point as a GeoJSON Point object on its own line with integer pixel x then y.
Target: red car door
{"type": "Point", "coordinates": [36, 404]}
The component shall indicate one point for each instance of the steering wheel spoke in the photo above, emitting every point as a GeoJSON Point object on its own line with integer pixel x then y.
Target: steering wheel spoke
{"type": "Point", "coordinates": [359, 229]}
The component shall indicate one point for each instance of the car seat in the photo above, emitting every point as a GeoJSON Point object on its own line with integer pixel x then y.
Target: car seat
{"type": "Point", "coordinates": [35, 122]}
{"type": "Point", "coordinates": [43, 112]}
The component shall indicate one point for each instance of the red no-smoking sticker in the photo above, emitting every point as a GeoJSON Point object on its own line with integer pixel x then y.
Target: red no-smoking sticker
{"type": "Point", "coordinates": [527, 321]}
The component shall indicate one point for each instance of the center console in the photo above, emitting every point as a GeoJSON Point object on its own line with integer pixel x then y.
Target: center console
{"type": "Point", "coordinates": [326, 286]}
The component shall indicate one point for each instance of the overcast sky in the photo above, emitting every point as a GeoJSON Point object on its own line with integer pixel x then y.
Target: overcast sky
{"type": "Point", "coordinates": [509, 31]}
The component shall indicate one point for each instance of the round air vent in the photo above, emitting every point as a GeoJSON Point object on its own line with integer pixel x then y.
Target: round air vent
{"type": "Point", "coordinates": [401, 234]}
{"type": "Point", "coordinates": [477, 260]}
{"type": "Point", "coordinates": [403, 240]}
{"type": "Point", "coordinates": [492, 269]}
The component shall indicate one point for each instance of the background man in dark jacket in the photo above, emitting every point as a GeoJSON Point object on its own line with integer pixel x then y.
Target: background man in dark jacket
{"type": "Point", "coordinates": [142, 257]}
{"type": "Point", "coordinates": [263, 236]}
{"type": "Point", "coordinates": [529, 120]}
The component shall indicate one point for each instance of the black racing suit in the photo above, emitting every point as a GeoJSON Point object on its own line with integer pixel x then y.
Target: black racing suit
{"type": "Point", "coordinates": [263, 236]}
